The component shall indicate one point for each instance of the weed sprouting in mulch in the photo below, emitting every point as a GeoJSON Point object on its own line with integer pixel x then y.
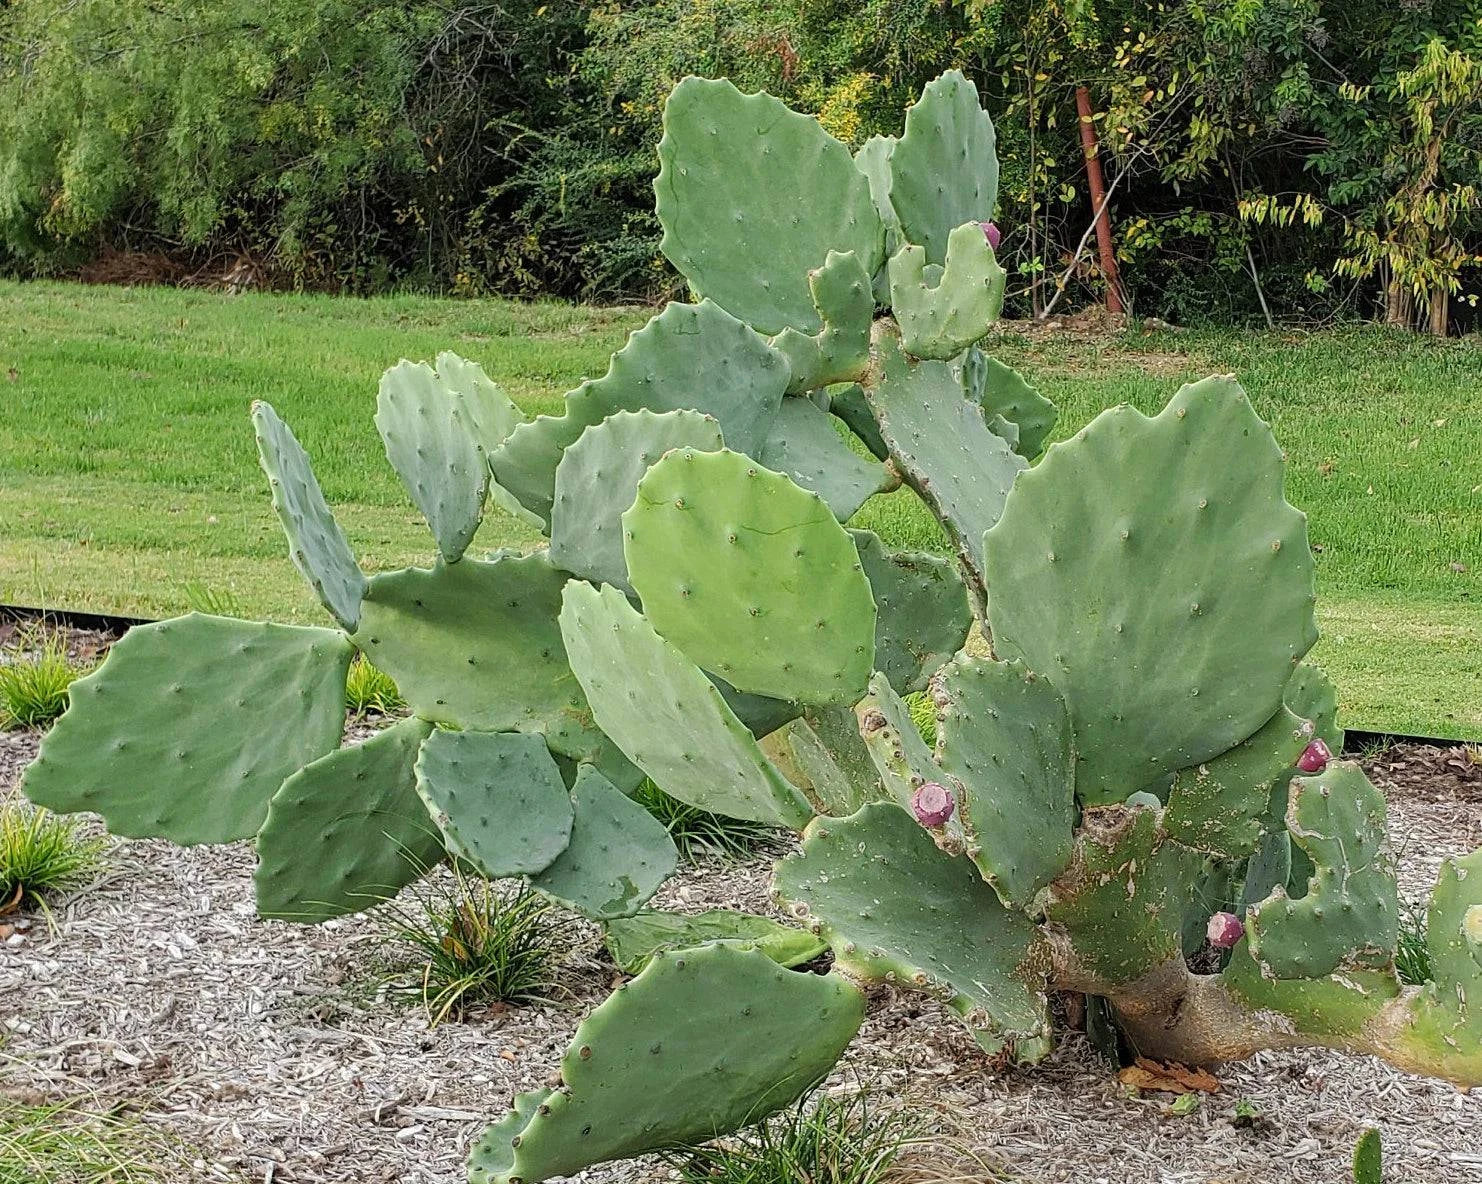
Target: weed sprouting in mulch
{"type": "Point", "coordinates": [698, 833]}
{"type": "Point", "coordinates": [65, 1143]}
{"type": "Point", "coordinates": [460, 943]}
{"type": "Point", "coordinates": [43, 856]}
{"type": "Point", "coordinates": [1412, 954]}
{"type": "Point", "coordinates": [34, 680]}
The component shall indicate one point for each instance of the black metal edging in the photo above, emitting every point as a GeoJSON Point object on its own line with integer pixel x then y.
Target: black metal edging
{"type": "Point", "coordinates": [1354, 740]}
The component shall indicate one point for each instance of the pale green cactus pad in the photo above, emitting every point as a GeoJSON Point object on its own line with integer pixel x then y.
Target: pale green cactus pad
{"type": "Point", "coordinates": [476, 645]}
{"type": "Point", "coordinates": [617, 857]}
{"type": "Point", "coordinates": [489, 414]}
{"type": "Point", "coordinates": [944, 170]}
{"type": "Point", "coordinates": [1446, 1023]}
{"type": "Point", "coordinates": [737, 565]}
{"type": "Point", "coordinates": [895, 908]}
{"type": "Point", "coordinates": [432, 446]}
{"type": "Point", "coordinates": [1004, 736]}
{"type": "Point", "coordinates": [849, 405]}
{"type": "Point", "coordinates": [1350, 916]}
{"type": "Point", "coordinates": [690, 357]}
{"type": "Point", "coordinates": [1002, 392]}
{"type": "Point", "coordinates": [497, 797]}
{"type": "Point", "coordinates": [873, 160]}
{"type": "Point", "coordinates": [1162, 546]}
{"type": "Point", "coordinates": [316, 544]}
{"type": "Point", "coordinates": [751, 196]}
{"type": "Point", "coordinates": [597, 481]}
{"type": "Point", "coordinates": [806, 447]}
{"type": "Point", "coordinates": [669, 719]}
{"type": "Point", "coordinates": [939, 317]}
{"type": "Point", "coordinates": [943, 447]}
{"type": "Point", "coordinates": [633, 941]}
{"type": "Point", "coordinates": [347, 831]}
{"type": "Point", "coordinates": [1335, 1005]}
{"type": "Point", "coordinates": [189, 727]}
{"type": "Point", "coordinates": [840, 350]}
{"type": "Point", "coordinates": [702, 1041]}
{"type": "Point", "coordinates": [803, 757]}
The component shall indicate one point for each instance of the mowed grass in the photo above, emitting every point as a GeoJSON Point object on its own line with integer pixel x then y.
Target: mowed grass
{"type": "Point", "coordinates": [128, 471]}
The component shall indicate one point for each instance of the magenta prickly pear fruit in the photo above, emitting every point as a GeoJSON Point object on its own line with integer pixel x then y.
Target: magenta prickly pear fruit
{"type": "Point", "coordinates": [992, 233]}
{"type": "Point", "coordinates": [1224, 930]}
{"type": "Point", "coordinates": [1314, 758]}
{"type": "Point", "coordinates": [932, 804]}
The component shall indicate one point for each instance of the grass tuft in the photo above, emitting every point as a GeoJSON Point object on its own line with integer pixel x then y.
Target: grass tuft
{"type": "Point", "coordinates": [923, 715]}
{"type": "Point", "coordinates": [61, 1143]}
{"type": "Point", "coordinates": [698, 833]}
{"type": "Point", "coordinates": [42, 855]}
{"type": "Point", "coordinates": [369, 689]}
{"type": "Point", "coordinates": [463, 943]}
{"type": "Point", "coordinates": [202, 598]}
{"type": "Point", "coordinates": [1412, 954]}
{"type": "Point", "coordinates": [835, 1141]}
{"type": "Point", "coordinates": [34, 680]}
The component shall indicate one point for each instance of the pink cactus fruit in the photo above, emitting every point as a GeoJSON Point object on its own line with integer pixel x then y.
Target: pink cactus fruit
{"type": "Point", "coordinates": [991, 232]}
{"type": "Point", "coordinates": [932, 804]}
{"type": "Point", "coordinates": [1314, 758]}
{"type": "Point", "coordinates": [1224, 930]}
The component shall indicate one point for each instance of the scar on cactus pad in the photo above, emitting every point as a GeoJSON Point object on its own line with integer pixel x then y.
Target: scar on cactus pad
{"type": "Point", "coordinates": [704, 618]}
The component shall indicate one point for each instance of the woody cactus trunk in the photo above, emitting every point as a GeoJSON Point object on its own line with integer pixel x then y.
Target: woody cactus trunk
{"type": "Point", "coordinates": [1131, 756]}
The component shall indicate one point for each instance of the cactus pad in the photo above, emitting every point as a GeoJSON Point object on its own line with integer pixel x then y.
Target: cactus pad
{"type": "Point", "coordinates": [633, 941]}
{"type": "Point", "coordinates": [873, 160]}
{"type": "Point", "coordinates": [1151, 568]}
{"type": "Point", "coordinates": [1446, 1025]}
{"type": "Point", "coordinates": [751, 577]}
{"type": "Point", "coordinates": [807, 760]}
{"type": "Point", "coordinates": [1336, 1005]}
{"type": "Point", "coordinates": [1003, 392]}
{"type": "Point", "coordinates": [1350, 916]}
{"type": "Point", "coordinates": [476, 645]}
{"type": "Point", "coordinates": [431, 445]}
{"type": "Point", "coordinates": [347, 831]}
{"type": "Point", "coordinates": [942, 446]}
{"type": "Point", "coordinates": [941, 319]}
{"type": "Point", "coordinates": [1218, 807]}
{"type": "Point", "coordinates": [1004, 736]}
{"type": "Point", "coordinates": [669, 719]}
{"type": "Point", "coordinates": [751, 195]}
{"type": "Point", "coordinates": [498, 798]}
{"type": "Point", "coordinates": [895, 908]}
{"type": "Point", "coordinates": [701, 1043]}
{"type": "Point", "coordinates": [618, 855]}
{"type": "Point", "coordinates": [153, 739]}
{"type": "Point", "coordinates": [489, 414]}
{"type": "Point", "coordinates": [597, 480]}
{"type": "Point", "coordinates": [805, 446]}
{"type": "Point", "coordinates": [316, 544]}
{"type": "Point", "coordinates": [691, 356]}
{"type": "Point", "coordinates": [840, 351]}
{"type": "Point", "coordinates": [944, 170]}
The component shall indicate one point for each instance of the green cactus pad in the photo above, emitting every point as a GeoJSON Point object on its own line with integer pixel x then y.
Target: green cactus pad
{"type": "Point", "coordinates": [699, 1044]}
{"type": "Point", "coordinates": [751, 196]}
{"type": "Point", "coordinates": [154, 738]}
{"type": "Point", "coordinates": [1003, 392]}
{"type": "Point", "coordinates": [1004, 736]}
{"type": "Point", "coordinates": [618, 855]}
{"type": "Point", "coordinates": [690, 357]}
{"type": "Point", "coordinates": [1350, 915]}
{"type": "Point", "coordinates": [498, 798]}
{"type": "Point", "coordinates": [1311, 695]}
{"type": "Point", "coordinates": [1151, 568]}
{"type": "Point", "coordinates": [942, 446]}
{"type": "Point", "coordinates": [944, 170]}
{"type": "Point", "coordinates": [1446, 1023]}
{"type": "Point", "coordinates": [1337, 1005]}
{"type": "Point", "coordinates": [806, 760]}
{"type": "Point", "coordinates": [633, 941]}
{"type": "Point", "coordinates": [806, 447]}
{"type": "Point", "coordinates": [316, 544]}
{"type": "Point", "coordinates": [761, 715]}
{"type": "Point", "coordinates": [347, 831]}
{"type": "Point", "coordinates": [1123, 899]}
{"type": "Point", "coordinates": [840, 351]}
{"type": "Point", "coordinates": [476, 645]}
{"type": "Point", "coordinates": [1268, 866]}
{"type": "Point", "coordinates": [597, 480]}
{"type": "Point", "coordinates": [489, 414]}
{"type": "Point", "coordinates": [895, 908]}
{"type": "Point", "coordinates": [941, 319]}
{"type": "Point", "coordinates": [1218, 807]}
{"type": "Point", "coordinates": [1368, 1158]}
{"type": "Point", "coordinates": [431, 445]}
{"type": "Point", "coordinates": [669, 719]}
{"type": "Point", "coordinates": [849, 405]}
{"type": "Point", "coordinates": [873, 160]}
{"type": "Point", "coordinates": [751, 577]}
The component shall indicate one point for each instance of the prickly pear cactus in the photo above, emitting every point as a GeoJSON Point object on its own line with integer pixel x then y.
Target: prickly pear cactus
{"type": "Point", "coordinates": [1135, 728]}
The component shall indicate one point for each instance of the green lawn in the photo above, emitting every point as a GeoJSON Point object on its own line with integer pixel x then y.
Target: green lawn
{"type": "Point", "coordinates": [128, 473]}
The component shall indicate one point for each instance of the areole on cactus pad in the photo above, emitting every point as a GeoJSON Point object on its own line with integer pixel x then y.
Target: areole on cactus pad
{"type": "Point", "coordinates": [1135, 729]}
